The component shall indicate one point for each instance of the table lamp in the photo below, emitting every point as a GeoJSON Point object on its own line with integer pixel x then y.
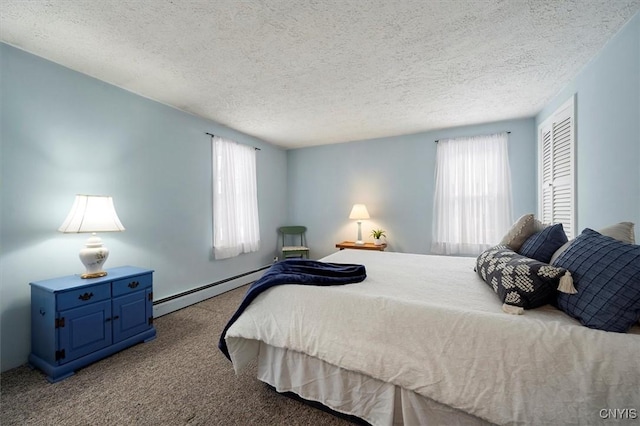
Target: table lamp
{"type": "Point", "coordinates": [359, 212]}
{"type": "Point", "coordinates": [92, 213]}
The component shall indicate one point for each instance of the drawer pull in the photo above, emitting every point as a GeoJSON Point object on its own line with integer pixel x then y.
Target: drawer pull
{"type": "Point", "coordinates": [133, 284]}
{"type": "Point", "coordinates": [85, 296]}
{"type": "Point", "coordinates": [116, 317]}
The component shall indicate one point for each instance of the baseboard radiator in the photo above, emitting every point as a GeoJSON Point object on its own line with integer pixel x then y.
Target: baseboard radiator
{"type": "Point", "coordinates": [186, 298]}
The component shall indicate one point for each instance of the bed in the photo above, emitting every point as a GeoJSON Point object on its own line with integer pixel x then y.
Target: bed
{"type": "Point", "coordinates": [423, 340]}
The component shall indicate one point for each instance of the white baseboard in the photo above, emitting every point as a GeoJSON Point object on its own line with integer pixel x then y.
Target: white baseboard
{"type": "Point", "coordinates": [190, 299]}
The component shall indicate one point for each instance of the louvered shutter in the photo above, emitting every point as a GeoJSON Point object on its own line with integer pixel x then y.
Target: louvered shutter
{"type": "Point", "coordinates": [546, 192]}
{"type": "Point", "coordinates": [557, 168]}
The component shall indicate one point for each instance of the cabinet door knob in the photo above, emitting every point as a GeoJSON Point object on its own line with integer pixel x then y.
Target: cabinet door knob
{"type": "Point", "coordinates": [116, 317]}
{"type": "Point", "coordinates": [134, 284]}
{"type": "Point", "coordinates": [85, 296]}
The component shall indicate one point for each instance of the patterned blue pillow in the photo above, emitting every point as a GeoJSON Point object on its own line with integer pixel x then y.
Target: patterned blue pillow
{"type": "Point", "coordinates": [606, 273]}
{"type": "Point", "coordinates": [518, 280]}
{"type": "Point", "coordinates": [541, 245]}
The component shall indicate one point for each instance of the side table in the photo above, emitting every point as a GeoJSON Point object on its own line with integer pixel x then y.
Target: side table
{"type": "Point", "coordinates": [75, 322]}
{"type": "Point", "coordinates": [366, 246]}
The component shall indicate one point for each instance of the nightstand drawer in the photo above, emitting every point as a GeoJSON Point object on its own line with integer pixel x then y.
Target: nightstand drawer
{"type": "Point", "coordinates": [83, 296]}
{"type": "Point", "coordinates": [131, 284]}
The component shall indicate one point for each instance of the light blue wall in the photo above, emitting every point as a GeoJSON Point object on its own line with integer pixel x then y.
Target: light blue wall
{"type": "Point", "coordinates": [608, 132]}
{"type": "Point", "coordinates": [394, 177]}
{"type": "Point", "coordinates": [65, 133]}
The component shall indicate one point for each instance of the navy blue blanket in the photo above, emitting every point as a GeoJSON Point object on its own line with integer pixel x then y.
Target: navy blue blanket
{"type": "Point", "coordinates": [296, 271]}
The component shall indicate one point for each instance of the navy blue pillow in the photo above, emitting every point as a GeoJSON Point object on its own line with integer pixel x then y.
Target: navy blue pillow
{"type": "Point", "coordinates": [518, 280]}
{"type": "Point", "coordinates": [606, 273]}
{"type": "Point", "coordinates": [541, 245]}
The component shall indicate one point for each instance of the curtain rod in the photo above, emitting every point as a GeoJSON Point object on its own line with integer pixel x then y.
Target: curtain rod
{"type": "Point", "coordinates": [211, 134]}
{"type": "Point", "coordinates": [438, 140]}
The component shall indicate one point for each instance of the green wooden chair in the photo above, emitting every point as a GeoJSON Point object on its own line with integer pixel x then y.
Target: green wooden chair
{"type": "Point", "coordinates": [290, 236]}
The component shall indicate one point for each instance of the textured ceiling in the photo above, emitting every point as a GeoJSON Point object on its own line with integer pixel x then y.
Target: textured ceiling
{"type": "Point", "coordinates": [300, 73]}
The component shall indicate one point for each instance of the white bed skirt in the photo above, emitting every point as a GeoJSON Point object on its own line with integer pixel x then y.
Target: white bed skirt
{"type": "Point", "coordinates": [352, 393]}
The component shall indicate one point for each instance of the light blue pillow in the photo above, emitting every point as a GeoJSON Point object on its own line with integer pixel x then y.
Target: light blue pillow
{"type": "Point", "coordinates": [606, 273]}
{"type": "Point", "coordinates": [541, 245]}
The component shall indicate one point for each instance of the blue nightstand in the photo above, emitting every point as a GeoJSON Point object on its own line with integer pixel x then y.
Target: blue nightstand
{"type": "Point", "coordinates": [75, 321]}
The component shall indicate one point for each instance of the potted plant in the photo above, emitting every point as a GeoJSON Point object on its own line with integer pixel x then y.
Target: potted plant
{"type": "Point", "coordinates": [377, 234]}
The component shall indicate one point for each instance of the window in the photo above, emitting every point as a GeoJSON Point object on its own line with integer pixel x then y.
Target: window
{"type": "Point", "coordinates": [235, 199]}
{"type": "Point", "coordinates": [556, 166]}
{"type": "Point", "coordinates": [472, 199]}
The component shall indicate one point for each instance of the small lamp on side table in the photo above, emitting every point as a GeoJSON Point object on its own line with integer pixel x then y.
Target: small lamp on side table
{"type": "Point", "coordinates": [92, 213]}
{"type": "Point", "coordinates": [359, 212]}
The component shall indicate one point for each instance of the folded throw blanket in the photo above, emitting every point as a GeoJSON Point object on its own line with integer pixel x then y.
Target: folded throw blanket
{"type": "Point", "coordinates": [296, 271]}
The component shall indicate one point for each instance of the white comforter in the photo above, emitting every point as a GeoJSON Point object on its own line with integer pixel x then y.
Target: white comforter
{"type": "Point", "coordinates": [429, 324]}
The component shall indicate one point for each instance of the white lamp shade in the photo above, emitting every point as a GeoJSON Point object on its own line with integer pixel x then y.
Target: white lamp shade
{"type": "Point", "coordinates": [92, 213]}
{"type": "Point", "coordinates": [359, 211]}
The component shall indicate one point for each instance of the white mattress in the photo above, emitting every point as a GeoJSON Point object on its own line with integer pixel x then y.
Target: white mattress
{"type": "Point", "coordinates": [429, 325]}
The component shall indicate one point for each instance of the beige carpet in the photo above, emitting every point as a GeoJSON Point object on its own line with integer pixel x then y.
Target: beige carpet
{"type": "Point", "coordinates": [179, 378]}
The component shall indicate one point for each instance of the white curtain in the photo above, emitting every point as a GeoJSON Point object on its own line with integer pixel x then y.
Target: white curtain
{"type": "Point", "coordinates": [235, 199]}
{"type": "Point", "coordinates": [472, 200]}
